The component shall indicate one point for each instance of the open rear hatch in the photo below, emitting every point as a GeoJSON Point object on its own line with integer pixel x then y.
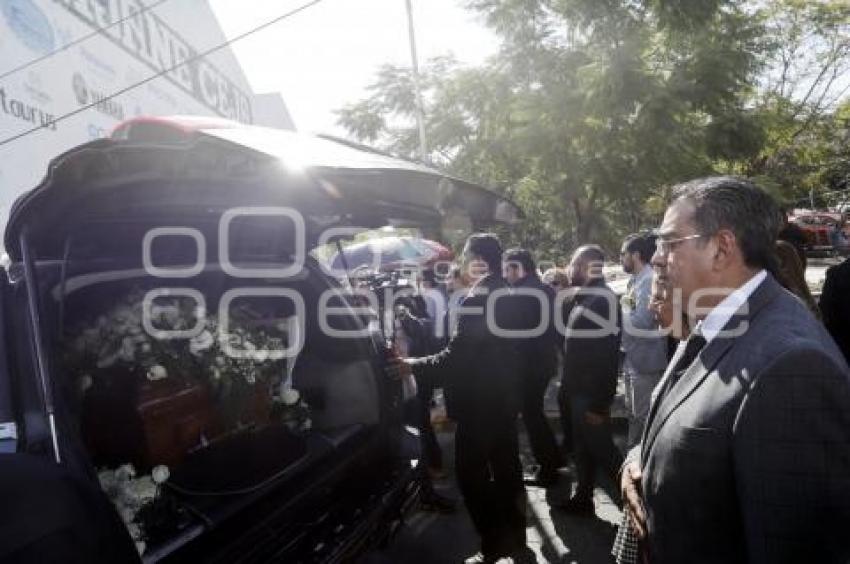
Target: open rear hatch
{"type": "Point", "coordinates": [77, 248]}
{"type": "Point", "coordinates": [208, 171]}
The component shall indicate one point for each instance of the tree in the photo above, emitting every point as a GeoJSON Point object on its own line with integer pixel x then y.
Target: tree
{"type": "Point", "coordinates": [593, 107]}
{"type": "Point", "coordinates": [799, 98]}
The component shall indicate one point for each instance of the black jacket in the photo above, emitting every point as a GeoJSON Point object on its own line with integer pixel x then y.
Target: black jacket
{"type": "Point", "coordinates": [747, 457]}
{"type": "Point", "coordinates": [540, 354]}
{"type": "Point", "coordinates": [479, 369]}
{"type": "Point", "coordinates": [592, 345]}
{"type": "Point", "coordinates": [835, 305]}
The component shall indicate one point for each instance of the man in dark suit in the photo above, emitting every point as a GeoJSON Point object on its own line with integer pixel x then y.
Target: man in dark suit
{"type": "Point", "coordinates": [591, 365]}
{"type": "Point", "coordinates": [746, 452]}
{"type": "Point", "coordinates": [480, 369]}
{"type": "Point", "coordinates": [540, 361]}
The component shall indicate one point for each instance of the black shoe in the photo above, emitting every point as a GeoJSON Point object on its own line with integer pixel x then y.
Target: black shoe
{"type": "Point", "coordinates": [437, 503]}
{"type": "Point", "coordinates": [577, 506]}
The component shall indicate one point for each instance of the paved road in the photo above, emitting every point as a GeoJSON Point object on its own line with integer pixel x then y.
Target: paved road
{"type": "Point", "coordinates": [429, 538]}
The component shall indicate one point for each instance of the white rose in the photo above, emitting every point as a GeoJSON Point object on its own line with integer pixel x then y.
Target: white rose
{"type": "Point", "coordinates": [290, 396]}
{"type": "Point", "coordinates": [201, 342]}
{"type": "Point", "coordinates": [107, 481]}
{"type": "Point", "coordinates": [125, 472]}
{"type": "Point", "coordinates": [138, 492]}
{"type": "Point", "coordinates": [157, 372]}
{"type": "Point", "coordinates": [160, 474]}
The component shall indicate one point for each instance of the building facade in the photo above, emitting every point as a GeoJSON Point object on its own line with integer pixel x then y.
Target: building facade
{"type": "Point", "coordinates": [60, 56]}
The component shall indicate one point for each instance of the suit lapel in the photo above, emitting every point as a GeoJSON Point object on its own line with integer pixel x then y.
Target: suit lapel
{"type": "Point", "coordinates": [663, 407]}
{"type": "Point", "coordinates": [688, 382]}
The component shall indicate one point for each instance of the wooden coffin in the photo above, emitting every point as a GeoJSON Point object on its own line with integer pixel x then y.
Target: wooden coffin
{"type": "Point", "coordinates": [130, 419]}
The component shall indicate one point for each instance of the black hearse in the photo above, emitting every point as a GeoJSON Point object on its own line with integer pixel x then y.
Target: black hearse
{"type": "Point", "coordinates": [169, 386]}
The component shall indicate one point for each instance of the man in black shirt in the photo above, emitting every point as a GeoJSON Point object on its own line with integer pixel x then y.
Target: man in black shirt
{"type": "Point", "coordinates": [591, 366]}
{"type": "Point", "coordinates": [540, 362]}
{"type": "Point", "coordinates": [480, 369]}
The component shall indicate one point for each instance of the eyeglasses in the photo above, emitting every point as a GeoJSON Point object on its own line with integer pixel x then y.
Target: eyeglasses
{"type": "Point", "coordinates": [664, 246]}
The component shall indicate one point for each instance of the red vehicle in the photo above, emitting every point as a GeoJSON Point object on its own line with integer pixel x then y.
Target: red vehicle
{"type": "Point", "coordinates": [822, 230]}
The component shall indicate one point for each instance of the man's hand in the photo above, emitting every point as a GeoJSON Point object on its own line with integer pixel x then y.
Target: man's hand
{"type": "Point", "coordinates": [632, 502]}
{"type": "Point", "coordinates": [593, 418]}
{"type": "Point", "coordinates": [398, 368]}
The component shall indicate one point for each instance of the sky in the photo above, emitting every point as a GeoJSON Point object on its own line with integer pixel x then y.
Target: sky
{"type": "Point", "coordinates": [325, 57]}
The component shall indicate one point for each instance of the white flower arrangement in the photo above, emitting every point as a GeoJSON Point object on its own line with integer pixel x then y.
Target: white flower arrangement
{"type": "Point", "coordinates": [129, 495]}
{"type": "Point", "coordinates": [291, 409]}
{"type": "Point", "coordinates": [290, 397]}
{"type": "Point", "coordinates": [115, 345]}
{"type": "Point", "coordinates": [118, 340]}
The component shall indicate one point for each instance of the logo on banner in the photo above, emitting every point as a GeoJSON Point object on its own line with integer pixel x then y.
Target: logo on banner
{"type": "Point", "coordinates": [26, 112]}
{"type": "Point", "coordinates": [86, 95]}
{"type": "Point", "coordinates": [29, 24]}
{"type": "Point", "coordinates": [150, 40]}
{"type": "Point", "coordinates": [98, 65]}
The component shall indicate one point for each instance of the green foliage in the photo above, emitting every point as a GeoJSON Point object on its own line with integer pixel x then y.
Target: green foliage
{"type": "Point", "coordinates": [594, 108]}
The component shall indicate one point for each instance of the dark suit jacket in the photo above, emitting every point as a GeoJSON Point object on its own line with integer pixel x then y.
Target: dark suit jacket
{"type": "Point", "coordinates": [479, 369]}
{"type": "Point", "coordinates": [835, 305]}
{"type": "Point", "coordinates": [592, 345]}
{"type": "Point", "coordinates": [540, 352]}
{"type": "Point", "coordinates": [747, 457]}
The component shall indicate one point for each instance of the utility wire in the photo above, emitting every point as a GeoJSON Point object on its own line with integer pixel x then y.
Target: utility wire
{"type": "Point", "coordinates": [80, 39]}
{"type": "Point", "coordinates": [154, 76]}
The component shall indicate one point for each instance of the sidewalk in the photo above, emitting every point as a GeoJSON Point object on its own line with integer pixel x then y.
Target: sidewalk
{"type": "Point", "coordinates": [430, 538]}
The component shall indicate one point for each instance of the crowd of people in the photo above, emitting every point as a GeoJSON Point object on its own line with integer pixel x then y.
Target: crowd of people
{"type": "Point", "coordinates": [738, 446]}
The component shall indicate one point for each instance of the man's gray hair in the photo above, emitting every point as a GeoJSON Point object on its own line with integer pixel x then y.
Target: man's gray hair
{"type": "Point", "coordinates": [736, 204]}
